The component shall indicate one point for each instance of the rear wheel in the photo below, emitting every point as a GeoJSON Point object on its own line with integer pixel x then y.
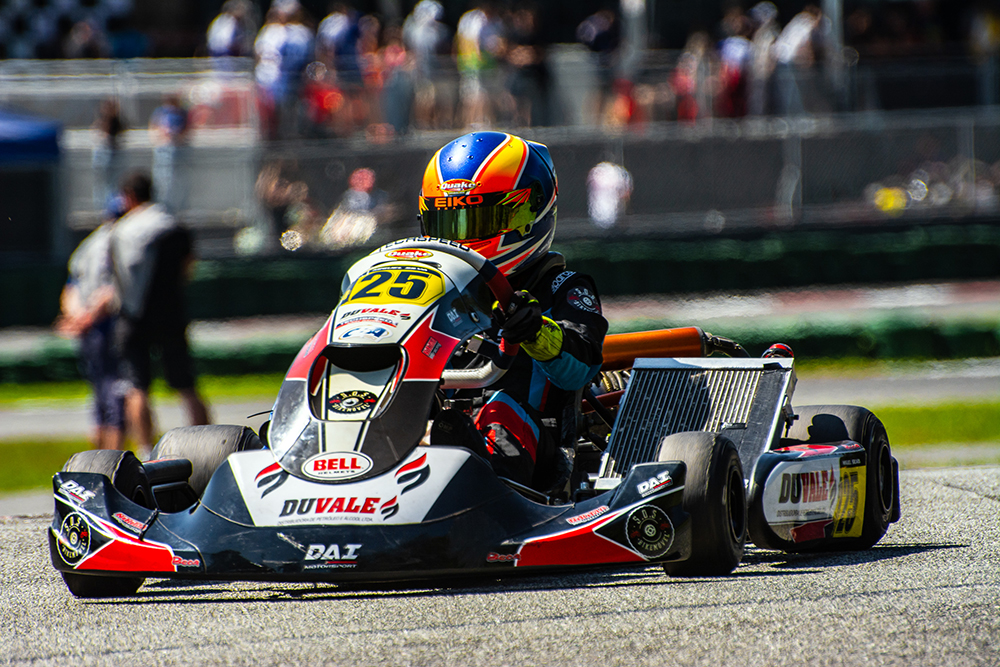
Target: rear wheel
{"type": "Point", "coordinates": [206, 447]}
{"type": "Point", "coordinates": [822, 424]}
{"type": "Point", "coordinates": [127, 476]}
{"type": "Point", "coordinates": [715, 497]}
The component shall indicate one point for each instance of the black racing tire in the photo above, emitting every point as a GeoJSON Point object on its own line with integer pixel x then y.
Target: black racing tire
{"type": "Point", "coordinates": [128, 477]}
{"type": "Point", "coordinates": [206, 447]}
{"type": "Point", "coordinates": [715, 497]}
{"type": "Point", "coordinates": [822, 424]}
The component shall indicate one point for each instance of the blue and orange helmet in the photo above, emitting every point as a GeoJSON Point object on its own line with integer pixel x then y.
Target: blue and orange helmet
{"type": "Point", "coordinates": [495, 193]}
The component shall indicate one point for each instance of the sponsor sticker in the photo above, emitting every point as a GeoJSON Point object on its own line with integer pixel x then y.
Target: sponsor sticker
{"type": "Point", "coordinates": [458, 186]}
{"type": "Point", "coordinates": [409, 253]}
{"type": "Point", "coordinates": [649, 531]}
{"type": "Point", "coordinates": [383, 312]}
{"type": "Point", "coordinates": [351, 402]}
{"type": "Point", "coordinates": [587, 516]}
{"type": "Point", "coordinates": [561, 278]}
{"type": "Point", "coordinates": [333, 556]}
{"type": "Point", "coordinates": [129, 522]}
{"type": "Point", "coordinates": [493, 557]}
{"type": "Point", "coordinates": [367, 333]}
{"type": "Point", "coordinates": [73, 540]}
{"type": "Point", "coordinates": [431, 347]}
{"type": "Point", "coordinates": [337, 465]}
{"type": "Point", "coordinates": [654, 484]}
{"type": "Point", "coordinates": [75, 491]}
{"type": "Point", "coordinates": [186, 562]}
{"type": "Point", "coordinates": [310, 506]}
{"type": "Point", "coordinates": [583, 299]}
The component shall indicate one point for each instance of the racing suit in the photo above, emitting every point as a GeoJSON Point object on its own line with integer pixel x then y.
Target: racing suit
{"type": "Point", "coordinates": [531, 410]}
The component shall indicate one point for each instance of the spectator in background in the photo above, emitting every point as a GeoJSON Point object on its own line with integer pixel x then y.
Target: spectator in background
{"type": "Point", "coordinates": [283, 48]}
{"type": "Point", "coordinates": [168, 129]}
{"type": "Point", "coordinates": [764, 19]}
{"type": "Point", "coordinates": [324, 103]}
{"type": "Point", "coordinates": [86, 40]}
{"type": "Point", "coordinates": [358, 215]}
{"type": "Point", "coordinates": [396, 98]}
{"type": "Point", "coordinates": [151, 257]}
{"type": "Point", "coordinates": [337, 45]}
{"type": "Point", "coordinates": [427, 39]}
{"type": "Point", "coordinates": [302, 218]}
{"type": "Point", "coordinates": [691, 79]}
{"type": "Point", "coordinates": [273, 190]}
{"type": "Point", "coordinates": [106, 157]}
{"type": "Point", "coordinates": [476, 44]}
{"type": "Point", "coordinates": [984, 41]}
{"type": "Point", "coordinates": [232, 32]}
{"type": "Point", "coordinates": [88, 305]}
{"type": "Point", "coordinates": [734, 64]}
{"type": "Point", "coordinates": [601, 34]}
{"type": "Point", "coordinates": [609, 187]}
{"type": "Point", "coordinates": [794, 56]}
{"type": "Point", "coordinates": [528, 78]}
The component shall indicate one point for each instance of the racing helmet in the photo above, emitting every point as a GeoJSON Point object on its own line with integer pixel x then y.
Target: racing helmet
{"type": "Point", "coordinates": [494, 193]}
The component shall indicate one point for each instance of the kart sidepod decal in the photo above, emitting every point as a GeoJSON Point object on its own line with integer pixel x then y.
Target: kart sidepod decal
{"type": "Point", "coordinates": [634, 534]}
{"type": "Point", "coordinates": [399, 496]}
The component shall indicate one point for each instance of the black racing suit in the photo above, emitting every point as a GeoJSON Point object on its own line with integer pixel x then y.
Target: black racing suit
{"type": "Point", "coordinates": [531, 410]}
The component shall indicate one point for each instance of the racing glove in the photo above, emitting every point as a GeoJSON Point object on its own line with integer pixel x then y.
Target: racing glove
{"type": "Point", "coordinates": [523, 323]}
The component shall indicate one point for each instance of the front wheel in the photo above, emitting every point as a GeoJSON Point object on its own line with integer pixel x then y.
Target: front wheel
{"type": "Point", "coordinates": [715, 497]}
{"type": "Point", "coordinates": [206, 447]}
{"type": "Point", "coordinates": [128, 477]}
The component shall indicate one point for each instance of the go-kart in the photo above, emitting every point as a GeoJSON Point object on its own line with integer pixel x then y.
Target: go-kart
{"type": "Point", "coordinates": [681, 456]}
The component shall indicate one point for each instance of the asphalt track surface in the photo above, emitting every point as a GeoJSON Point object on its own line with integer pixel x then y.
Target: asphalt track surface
{"type": "Point", "coordinates": [926, 595]}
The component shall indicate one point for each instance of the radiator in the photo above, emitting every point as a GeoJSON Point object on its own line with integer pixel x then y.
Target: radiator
{"type": "Point", "coordinates": [744, 399]}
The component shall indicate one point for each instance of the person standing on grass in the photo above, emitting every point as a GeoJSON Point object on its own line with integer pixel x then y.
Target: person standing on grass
{"type": "Point", "coordinates": [151, 258]}
{"type": "Point", "coordinates": [87, 313]}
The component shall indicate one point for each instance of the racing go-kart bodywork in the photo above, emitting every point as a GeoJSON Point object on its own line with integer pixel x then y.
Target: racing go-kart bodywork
{"type": "Point", "coordinates": [681, 457]}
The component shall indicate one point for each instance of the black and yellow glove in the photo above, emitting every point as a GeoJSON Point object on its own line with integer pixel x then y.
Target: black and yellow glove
{"type": "Point", "coordinates": [523, 323]}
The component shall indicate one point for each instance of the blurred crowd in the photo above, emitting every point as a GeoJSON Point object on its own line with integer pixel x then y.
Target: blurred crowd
{"type": "Point", "coordinates": [70, 29]}
{"type": "Point", "coordinates": [490, 63]}
{"type": "Point", "coordinates": [349, 72]}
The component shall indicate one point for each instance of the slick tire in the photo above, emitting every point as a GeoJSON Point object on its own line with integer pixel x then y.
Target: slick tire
{"type": "Point", "coordinates": [821, 424]}
{"type": "Point", "coordinates": [715, 497]}
{"type": "Point", "coordinates": [206, 447]}
{"type": "Point", "coordinates": [127, 476]}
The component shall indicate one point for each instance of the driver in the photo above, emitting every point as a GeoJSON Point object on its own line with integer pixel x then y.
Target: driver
{"type": "Point", "coordinates": [496, 194]}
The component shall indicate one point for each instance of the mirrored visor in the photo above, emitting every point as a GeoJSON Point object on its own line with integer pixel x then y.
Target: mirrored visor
{"type": "Point", "coordinates": [469, 217]}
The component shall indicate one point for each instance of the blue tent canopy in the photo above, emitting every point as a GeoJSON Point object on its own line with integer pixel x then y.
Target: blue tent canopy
{"type": "Point", "coordinates": [27, 139]}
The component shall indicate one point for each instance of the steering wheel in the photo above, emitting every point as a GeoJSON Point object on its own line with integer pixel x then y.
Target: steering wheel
{"type": "Point", "coordinates": [482, 376]}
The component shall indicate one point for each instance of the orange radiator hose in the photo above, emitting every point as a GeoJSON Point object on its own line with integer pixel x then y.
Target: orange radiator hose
{"type": "Point", "coordinates": [621, 350]}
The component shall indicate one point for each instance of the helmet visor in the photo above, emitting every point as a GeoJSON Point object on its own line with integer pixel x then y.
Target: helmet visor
{"type": "Point", "coordinates": [470, 217]}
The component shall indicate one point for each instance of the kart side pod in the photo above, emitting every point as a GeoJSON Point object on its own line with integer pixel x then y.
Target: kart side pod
{"type": "Point", "coordinates": [818, 498]}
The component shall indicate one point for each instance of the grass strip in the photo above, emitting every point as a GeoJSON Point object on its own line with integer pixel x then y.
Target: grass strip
{"type": "Point", "coordinates": [29, 465]}
{"type": "Point", "coordinates": [942, 423]}
{"type": "Point", "coordinates": [213, 387]}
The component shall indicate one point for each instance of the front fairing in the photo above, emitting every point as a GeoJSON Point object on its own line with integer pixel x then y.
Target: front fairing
{"type": "Point", "coordinates": [357, 397]}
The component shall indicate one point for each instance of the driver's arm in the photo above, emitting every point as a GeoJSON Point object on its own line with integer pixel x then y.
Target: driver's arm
{"type": "Point", "coordinates": [566, 339]}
